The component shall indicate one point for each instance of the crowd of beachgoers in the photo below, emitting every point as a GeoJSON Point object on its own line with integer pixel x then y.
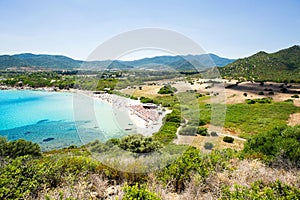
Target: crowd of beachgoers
{"type": "Point", "coordinates": [150, 116]}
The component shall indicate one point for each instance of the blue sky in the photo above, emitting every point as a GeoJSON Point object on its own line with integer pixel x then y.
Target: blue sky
{"type": "Point", "coordinates": [229, 28]}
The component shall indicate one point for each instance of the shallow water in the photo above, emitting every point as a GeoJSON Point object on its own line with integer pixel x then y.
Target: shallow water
{"type": "Point", "coordinates": [47, 118]}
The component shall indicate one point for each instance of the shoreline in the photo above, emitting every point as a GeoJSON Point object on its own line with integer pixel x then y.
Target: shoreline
{"type": "Point", "coordinates": [45, 89]}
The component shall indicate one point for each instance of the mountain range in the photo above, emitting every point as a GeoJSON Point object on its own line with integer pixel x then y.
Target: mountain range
{"type": "Point", "coordinates": [281, 66]}
{"type": "Point", "coordinates": [186, 62]}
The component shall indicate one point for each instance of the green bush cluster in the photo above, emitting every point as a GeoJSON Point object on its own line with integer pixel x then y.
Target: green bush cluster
{"type": "Point", "coordinates": [24, 176]}
{"type": "Point", "coordinates": [18, 148]}
{"type": "Point", "coordinates": [192, 161]}
{"type": "Point", "coordinates": [261, 100]}
{"type": "Point", "coordinates": [167, 89]}
{"type": "Point", "coordinates": [135, 143]}
{"type": "Point", "coordinates": [146, 100]}
{"type": "Point", "coordinates": [39, 79]}
{"type": "Point", "coordinates": [228, 139]}
{"type": "Point", "coordinates": [281, 141]}
{"type": "Point", "coordinates": [138, 192]}
{"type": "Point", "coordinates": [260, 190]}
{"type": "Point", "coordinates": [208, 145]}
{"type": "Point", "coordinates": [202, 131]}
{"type": "Point", "coordinates": [139, 144]}
{"type": "Point", "coordinates": [188, 130]}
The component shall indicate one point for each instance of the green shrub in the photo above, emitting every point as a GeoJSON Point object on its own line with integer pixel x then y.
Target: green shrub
{"type": "Point", "coordinates": [259, 190]}
{"type": "Point", "coordinates": [208, 145]}
{"type": "Point", "coordinates": [18, 148]}
{"type": "Point", "coordinates": [250, 101]}
{"type": "Point", "coordinates": [138, 144]}
{"type": "Point", "coordinates": [188, 130]}
{"type": "Point", "coordinates": [167, 89]}
{"type": "Point", "coordinates": [264, 100]}
{"type": "Point", "coordinates": [228, 139]}
{"type": "Point", "coordinates": [202, 131]}
{"type": "Point", "coordinates": [261, 93]}
{"type": "Point", "coordinates": [139, 193]}
{"type": "Point", "coordinates": [281, 141]}
{"type": "Point", "coordinates": [179, 172]}
{"type": "Point", "coordinates": [214, 134]}
{"type": "Point", "coordinates": [260, 100]}
{"type": "Point", "coordinates": [295, 96]}
{"type": "Point", "coordinates": [146, 100]}
{"type": "Point", "coordinates": [23, 177]}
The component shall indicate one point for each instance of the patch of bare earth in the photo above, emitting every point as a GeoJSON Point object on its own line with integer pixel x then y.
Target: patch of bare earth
{"type": "Point", "coordinates": [294, 119]}
{"type": "Point", "coordinates": [235, 94]}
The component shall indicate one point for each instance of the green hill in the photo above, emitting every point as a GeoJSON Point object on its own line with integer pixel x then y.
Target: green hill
{"type": "Point", "coordinates": [281, 66]}
{"type": "Point", "coordinates": [188, 62]}
{"type": "Point", "coordinates": [33, 60]}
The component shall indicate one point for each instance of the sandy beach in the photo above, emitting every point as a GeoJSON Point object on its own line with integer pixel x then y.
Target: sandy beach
{"type": "Point", "coordinates": [130, 114]}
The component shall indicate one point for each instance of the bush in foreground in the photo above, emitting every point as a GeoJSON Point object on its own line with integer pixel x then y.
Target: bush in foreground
{"type": "Point", "coordinates": [18, 148]}
{"type": "Point", "coordinates": [281, 141]}
{"type": "Point", "coordinates": [138, 192]}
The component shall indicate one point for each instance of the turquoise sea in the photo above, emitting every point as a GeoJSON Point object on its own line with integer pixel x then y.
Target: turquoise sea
{"type": "Point", "coordinates": [49, 119]}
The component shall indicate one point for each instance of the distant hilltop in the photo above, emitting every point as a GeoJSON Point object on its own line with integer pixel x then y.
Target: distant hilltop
{"type": "Point", "coordinates": [281, 66]}
{"type": "Point", "coordinates": [185, 62]}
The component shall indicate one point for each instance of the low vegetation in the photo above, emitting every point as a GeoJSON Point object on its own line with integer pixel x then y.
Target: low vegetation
{"type": "Point", "coordinates": [52, 175]}
{"type": "Point", "coordinates": [282, 141]}
{"type": "Point", "coordinates": [251, 119]}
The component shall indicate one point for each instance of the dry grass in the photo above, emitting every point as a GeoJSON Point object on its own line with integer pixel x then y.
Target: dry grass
{"type": "Point", "coordinates": [245, 173]}
{"type": "Point", "coordinates": [199, 141]}
{"type": "Point", "coordinates": [149, 91]}
{"type": "Point", "coordinates": [242, 172]}
{"type": "Point", "coordinates": [93, 186]}
{"type": "Point", "coordinates": [249, 171]}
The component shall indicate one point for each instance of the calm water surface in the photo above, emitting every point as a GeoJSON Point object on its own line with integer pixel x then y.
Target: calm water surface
{"type": "Point", "coordinates": [47, 118]}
